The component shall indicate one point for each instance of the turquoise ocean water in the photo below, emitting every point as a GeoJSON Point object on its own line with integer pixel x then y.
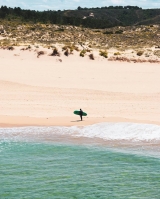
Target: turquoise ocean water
{"type": "Point", "coordinates": [116, 161]}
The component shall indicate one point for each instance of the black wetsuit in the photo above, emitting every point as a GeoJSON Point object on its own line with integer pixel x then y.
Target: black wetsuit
{"type": "Point", "coordinates": [81, 113]}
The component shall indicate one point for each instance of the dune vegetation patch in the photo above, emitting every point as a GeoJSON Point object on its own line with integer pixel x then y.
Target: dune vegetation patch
{"type": "Point", "coordinates": [157, 53]}
{"type": "Point", "coordinates": [82, 53]}
{"type": "Point", "coordinates": [103, 53]}
{"type": "Point", "coordinates": [117, 53]}
{"type": "Point", "coordinates": [66, 40]}
{"type": "Point", "coordinates": [40, 53]}
{"type": "Point", "coordinates": [55, 52]}
{"type": "Point", "coordinates": [125, 59]}
{"type": "Point", "coordinates": [91, 56]}
{"type": "Point", "coordinates": [140, 53]}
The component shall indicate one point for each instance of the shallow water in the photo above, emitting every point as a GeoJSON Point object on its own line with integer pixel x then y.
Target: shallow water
{"type": "Point", "coordinates": [38, 162]}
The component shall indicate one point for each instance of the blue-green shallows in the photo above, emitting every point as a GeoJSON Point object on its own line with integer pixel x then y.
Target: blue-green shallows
{"type": "Point", "coordinates": [44, 171]}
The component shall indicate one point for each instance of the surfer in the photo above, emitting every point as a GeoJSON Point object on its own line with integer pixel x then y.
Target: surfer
{"type": "Point", "coordinates": [81, 113]}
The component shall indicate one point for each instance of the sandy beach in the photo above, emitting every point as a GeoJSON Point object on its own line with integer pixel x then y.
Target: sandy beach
{"type": "Point", "coordinates": [45, 91]}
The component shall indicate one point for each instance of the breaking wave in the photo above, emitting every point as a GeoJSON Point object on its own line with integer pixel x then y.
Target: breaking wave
{"type": "Point", "coordinates": [105, 131]}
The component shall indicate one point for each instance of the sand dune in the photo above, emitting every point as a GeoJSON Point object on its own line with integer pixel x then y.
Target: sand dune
{"type": "Point", "coordinates": [46, 91]}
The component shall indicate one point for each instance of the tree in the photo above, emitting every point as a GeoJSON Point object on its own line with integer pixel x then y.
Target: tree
{"type": "Point", "coordinates": [17, 11]}
{"type": "Point", "coordinates": [79, 8]}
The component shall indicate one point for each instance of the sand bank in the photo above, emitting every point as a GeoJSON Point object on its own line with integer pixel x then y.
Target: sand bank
{"type": "Point", "coordinates": [46, 90]}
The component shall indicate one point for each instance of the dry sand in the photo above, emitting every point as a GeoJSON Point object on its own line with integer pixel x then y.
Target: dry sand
{"type": "Point", "coordinates": [46, 90]}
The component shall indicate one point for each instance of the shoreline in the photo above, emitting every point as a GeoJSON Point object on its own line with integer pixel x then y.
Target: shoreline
{"type": "Point", "coordinates": [117, 133]}
{"type": "Point", "coordinates": [18, 121]}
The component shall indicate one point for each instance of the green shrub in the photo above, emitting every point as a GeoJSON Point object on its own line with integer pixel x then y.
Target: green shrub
{"type": "Point", "coordinates": [104, 53]}
{"type": "Point", "coordinates": [82, 53]}
{"type": "Point", "coordinates": [117, 53]}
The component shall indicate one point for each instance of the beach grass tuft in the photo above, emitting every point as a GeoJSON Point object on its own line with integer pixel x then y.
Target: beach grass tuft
{"type": "Point", "coordinates": [103, 53]}
{"type": "Point", "coordinates": [117, 53]}
{"type": "Point", "coordinates": [82, 53]}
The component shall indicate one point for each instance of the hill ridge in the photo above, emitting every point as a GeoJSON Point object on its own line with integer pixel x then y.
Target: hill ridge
{"type": "Point", "coordinates": [91, 18]}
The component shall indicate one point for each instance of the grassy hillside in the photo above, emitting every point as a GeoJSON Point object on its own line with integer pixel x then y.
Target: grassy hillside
{"type": "Point", "coordinates": [96, 18]}
{"type": "Point", "coordinates": [123, 17]}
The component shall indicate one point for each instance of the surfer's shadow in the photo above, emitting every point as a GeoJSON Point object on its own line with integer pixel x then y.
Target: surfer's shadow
{"type": "Point", "coordinates": [77, 121]}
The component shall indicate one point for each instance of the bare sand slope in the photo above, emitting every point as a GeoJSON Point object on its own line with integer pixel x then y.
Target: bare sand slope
{"type": "Point", "coordinates": [46, 90]}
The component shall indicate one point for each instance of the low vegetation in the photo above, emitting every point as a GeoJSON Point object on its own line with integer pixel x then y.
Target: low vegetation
{"type": "Point", "coordinates": [15, 33]}
{"type": "Point", "coordinates": [40, 53]}
{"type": "Point", "coordinates": [157, 53]}
{"type": "Point", "coordinates": [108, 32]}
{"type": "Point", "coordinates": [117, 53]}
{"type": "Point", "coordinates": [125, 59]}
{"type": "Point", "coordinates": [70, 47]}
{"type": "Point", "coordinates": [118, 31]}
{"type": "Point", "coordinates": [91, 56]}
{"type": "Point", "coordinates": [66, 52]}
{"type": "Point", "coordinates": [10, 48]}
{"type": "Point", "coordinates": [103, 53]}
{"type": "Point", "coordinates": [82, 53]}
{"type": "Point", "coordinates": [73, 38]}
{"type": "Point", "coordinates": [140, 53]}
{"type": "Point", "coordinates": [55, 52]}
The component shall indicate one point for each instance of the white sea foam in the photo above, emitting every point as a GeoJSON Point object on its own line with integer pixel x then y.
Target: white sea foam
{"type": "Point", "coordinates": [105, 131]}
{"type": "Point", "coordinates": [123, 131]}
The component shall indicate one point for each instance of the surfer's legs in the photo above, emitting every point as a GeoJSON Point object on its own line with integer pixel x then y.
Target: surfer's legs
{"type": "Point", "coordinates": [81, 117]}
